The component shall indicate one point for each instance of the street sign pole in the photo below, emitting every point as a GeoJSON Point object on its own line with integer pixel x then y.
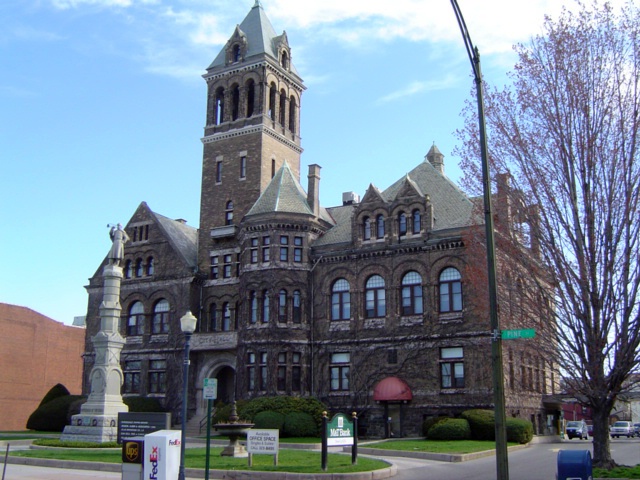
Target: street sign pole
{"type": "Point", "coordinates": [209, 393]}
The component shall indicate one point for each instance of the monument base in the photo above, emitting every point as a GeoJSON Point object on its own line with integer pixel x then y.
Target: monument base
{"type": "Point", "coordinates": [91, 428]}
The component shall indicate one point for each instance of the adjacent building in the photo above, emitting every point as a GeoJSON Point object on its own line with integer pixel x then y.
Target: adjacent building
{"type": "Point", "coordinates": [372, 306]}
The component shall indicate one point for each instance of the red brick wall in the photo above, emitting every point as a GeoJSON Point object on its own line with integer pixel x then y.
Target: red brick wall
{"type": "Point", "coordinates": [36, 352]}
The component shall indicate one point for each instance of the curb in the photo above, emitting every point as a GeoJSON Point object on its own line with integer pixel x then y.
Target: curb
{"type": "Point", "coordinates": [439, 457]}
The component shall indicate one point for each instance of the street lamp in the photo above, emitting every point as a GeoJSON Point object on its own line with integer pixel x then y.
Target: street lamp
{"type": "Point", "coordinates": [188, 326]}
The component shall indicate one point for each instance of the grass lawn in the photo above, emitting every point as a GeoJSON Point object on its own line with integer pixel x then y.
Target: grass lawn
{"type": "Point", "coordinates": [298, 461]}
{"type": "Point", "coordinates": [436, 446]}
{"type": "Point", "coordinates": [618, 472]}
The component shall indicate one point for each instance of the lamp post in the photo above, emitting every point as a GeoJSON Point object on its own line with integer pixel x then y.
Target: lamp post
{"type": "Point", "coordinates": [188, 326]}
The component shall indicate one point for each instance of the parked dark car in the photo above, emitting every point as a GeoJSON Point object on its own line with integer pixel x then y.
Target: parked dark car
{"type": "Point", "coordinates": [577, 428]}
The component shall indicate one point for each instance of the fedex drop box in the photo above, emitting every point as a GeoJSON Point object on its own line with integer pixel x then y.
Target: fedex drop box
{"type": "Point", "coordinates": [162, 455]}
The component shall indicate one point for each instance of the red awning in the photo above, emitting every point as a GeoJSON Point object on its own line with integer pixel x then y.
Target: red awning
{"type": "Point", "coordinates": [392, 389]}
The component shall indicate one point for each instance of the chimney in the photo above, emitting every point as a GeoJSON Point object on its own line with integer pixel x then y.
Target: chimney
{"type": "Point", "coordinates": [350, 198]}
{"type": "Point", "coordinates": [313, 190]}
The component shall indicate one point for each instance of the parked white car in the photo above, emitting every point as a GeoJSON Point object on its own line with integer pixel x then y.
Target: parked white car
{"type": "Point", "coordinates": [622, 429]}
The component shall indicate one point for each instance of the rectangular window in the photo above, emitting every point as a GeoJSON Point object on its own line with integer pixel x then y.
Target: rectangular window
{"type": "Point", "coordinates": [218, 172]}
{"type": "Point", "coordinates": [135, 325]}
{"type": "Point", "coordinates": [296, 372]}
{"type": "Point", "coordinates": [297, 249]}
{"type": "Point", "coordinates": [214, 267]}
{"type": "Point", "coordinates": [243, 167]}
{"type": "Point", "coordinates": [392, 356]}
{"type": "Point", "coordinates": [226, 271]}
{"type": "Point", "coordinates": [251, 371]}
{"type": "Point", "coordinates": [339, 370]}
{"type": "Point", "coordinates": [282, 371]}
{"type": "Point", "coordinates": [132, 377]}
{"type": "Point", "coordinates": [254, 251]}
{"type": "Point", "coordinates": [266, 242]}
{"type": "Point", "coordinates": [451, 367]}
{"type": "Point", "coordinates": [263, 371]}
{"type": "Point", "coordinates": [157, 376]}
{"type": "Point", "coordinates": [284, 249]}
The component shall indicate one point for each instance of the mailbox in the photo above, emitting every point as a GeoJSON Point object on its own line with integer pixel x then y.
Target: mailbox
{"type": "Point", "coordinates": [574, 465]}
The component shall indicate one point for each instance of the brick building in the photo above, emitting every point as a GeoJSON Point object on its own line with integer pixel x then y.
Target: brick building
{"type": "Point", "coordinates": [36, 353]}
{"type": "Point", "coordinates": [365, 305]}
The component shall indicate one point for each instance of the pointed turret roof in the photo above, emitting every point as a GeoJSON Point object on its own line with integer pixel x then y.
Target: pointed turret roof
{"type": "Point", "coordinates": [261, 37]}
{"type": "Point", "coordinates": [283, 194]}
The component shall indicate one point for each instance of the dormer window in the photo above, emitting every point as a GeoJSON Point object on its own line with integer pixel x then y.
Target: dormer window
{"type": "Point", "coordinates": [284, 60]}
{"type": "Point", "coordinates": [236, 54]}
{"type": "Point", "coordinates": [402, 224]}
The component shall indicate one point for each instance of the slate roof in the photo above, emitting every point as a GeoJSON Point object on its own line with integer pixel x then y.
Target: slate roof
{"type": "Point", "coordinates": [184, 238]}
{"type": "Point", "coordinates": [262, 39]}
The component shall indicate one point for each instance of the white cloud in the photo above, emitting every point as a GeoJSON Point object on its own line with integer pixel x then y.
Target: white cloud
{"type": "Point", "coordinates": [67, 4]}
{"type": "Point", "coordinates": [418, 87]}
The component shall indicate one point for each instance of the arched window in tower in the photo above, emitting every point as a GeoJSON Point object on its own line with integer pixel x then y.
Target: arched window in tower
{"type": "Point", "coordinates": [412, 294]}
{"type": "Point", "coordinates": [273, 92]}
{"type": "Point", "coordinates": [218, 109]}
{"type": "Point", "coordinates": [251, 93]}
{"type": "Point", "coordinates": [273, 167]}
{"type": "Point", "coordinates": [127, 269]}
{"type": "Point", "coordinates": [416, 221]}
{"type": "Point", "coordinates": [380, 226]}
{"type": "Point", "coordinates": [235, 102]}
{"type": "Point", "coordinates": [253, 302]}
{"type": "Point", "coordinates": [284, 60]}
{"type": "Point", "coordinates": [160, 323]}
{"type": "Point", "coordinates": [292, 114]}
{"type": "Point", "coordinates": [135, 321]}
{"type": "Point", "coordinates": [226, 317]}
{"type": "Point", "coordinates": [282, 306]}
{"type": "Point", "coordinates": [213, 317]}
{"type": "Point", "coordinates": [366, 228]}
{"type": "Point", "coordinates": [450, 290]}
{"type": "Point", "coordinates": [265, 306]}
{"type": "Point", "coordinates": [236, 54]}
{"type": "Point", "coordinates": [228, 213]}
{"type": "Point", "coordinates": [340, 300]}
{"type": "Point", "coordinates": [297, 306]}
{"type": "Point", "coordinates": [139, 268]}
{"type": "Point", "coordinates": [283, 107]}
{"type": "Point", "coordinates": [375, 301]}
{"type": "Point", "coordinates": [150, 266]}
{"type": "Point", "coordinates": [402, 224]}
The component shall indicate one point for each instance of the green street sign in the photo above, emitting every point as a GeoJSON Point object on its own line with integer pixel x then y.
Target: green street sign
{"type": "Point", "coordinates": [515, 334]}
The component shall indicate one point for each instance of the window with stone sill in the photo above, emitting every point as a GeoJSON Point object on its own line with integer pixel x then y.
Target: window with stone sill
{"type": "Point", "coordinates": [157, 376]}
{"type": "Point", "coordinates": [131, 372]}
{"type": "Point", "coordinates": [135, 320]}
{"type": "Point", "coordinates": [339, 371]}
{"type": "Point", "coordinates": [160, 321]}
{"type": "Point", "coordinates": [451, 367]}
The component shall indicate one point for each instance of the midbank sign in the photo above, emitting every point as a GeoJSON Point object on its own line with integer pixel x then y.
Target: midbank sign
{"type": "Point", "coordinates": [340, 431]}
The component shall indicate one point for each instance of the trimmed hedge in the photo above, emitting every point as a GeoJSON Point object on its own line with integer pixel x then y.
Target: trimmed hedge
{"type": "Point", "coordinates": [519, 430]}
{"type": "Point", "coordinates": [450, 429]}
{"type": "Point", "coordinates": [482, 423]}
{"type": "Point", "coordinates": [282, 404]}
{"type": "Point", "coordinates": [299, 424]}
{"type": "Point", "coordinates": [58, 390]}
{"type": "Point", "coordinates": [430, 422]}
{"type": "Point", "coordinates": [143, 404]}
{"type": "Point", "coordinates": [269, 419]}
{"type": "Point", "coordinates": [53, 416]}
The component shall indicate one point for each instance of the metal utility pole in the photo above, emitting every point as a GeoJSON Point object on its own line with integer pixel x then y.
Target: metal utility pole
{"type": "Point", "coordinates": [502, 462]}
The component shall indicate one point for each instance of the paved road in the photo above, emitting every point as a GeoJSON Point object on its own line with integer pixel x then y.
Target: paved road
{"type": "Point", "coordinates": [537, 462]}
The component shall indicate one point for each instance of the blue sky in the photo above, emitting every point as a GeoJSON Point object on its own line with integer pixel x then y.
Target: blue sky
{"type": "Point", "coordinates": [103, 107]}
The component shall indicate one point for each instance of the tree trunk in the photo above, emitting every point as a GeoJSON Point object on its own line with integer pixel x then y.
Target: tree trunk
{"type": "Point", "coordinates": [601, 451]}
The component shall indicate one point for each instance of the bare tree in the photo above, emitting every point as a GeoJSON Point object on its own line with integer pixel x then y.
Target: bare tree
{"type": "Point", "coordinates": [566, 131]}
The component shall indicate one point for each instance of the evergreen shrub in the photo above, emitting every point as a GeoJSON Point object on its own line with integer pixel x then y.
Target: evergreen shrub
{"type": "Point", "coordinates": [519, 430]}
{"type": "Point", "coordinates": [482, 423]}
{"type": "Point", "coordinates": [430, 422]}
{"type": "Point", "coordinates": [299, 424]}
{"type": "Point", "coordinates": [143, 404]}
{"type": "Point", "coordinates": [269, 419]}
{"type": "Point", "coordinates": [58, 390]}
{"type": "Point", "coordinates": [53, 416]}
{"type": "Point", "coordinates": [284, 405]}
{"type": "Point", "coordinates": [450, 429]}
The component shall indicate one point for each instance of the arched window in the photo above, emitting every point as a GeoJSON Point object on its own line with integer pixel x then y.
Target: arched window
{"type": "Point", "coordinates": [283, 106]}
{"type": "Point", "coordinates": [226, 317]}
{"type": "Point", "coordinates": [292, 114]}
{"type": "Point", "coordinates": [213, 317]}
{"type": "Point", "coordinates": [282, 306]}
{"type": "Point", "coordinates": [366, 226]}
{"type": "Point", "coordinates": [375, 304]}
{"type": "Point", "coordinates": [150, 266]}
{"type": "Point", "coordinates": [235, 102]}
{"type": "Point", "coordinates": [228, 213]}
{"type": "Point", "coordinates": [127, 269]}
{"type": "Point", "coordinates": [412, 294]}
{"type": "Point", "coordinates": [251, 93]}
{"type": "Point", "coordinates": [417, 221]}
{"type": "Point", "coordinates": [380, 226]}
{"type": "Point", "coordinates": [273, 167]}
{"type": "Point", "coordinates": [450, 290]}
{"type": "Point", "coordinates": [265, 306]}
{"type": "Point", "coordinates": [139, 268]}
{"type": "Point", "coordinates": [284, 60]}
{"type": "Point", "coordinates": [253, 302]}
{"type": "Point", "coordinates": [160, 322]}
{"type": "Point", "coordinates": [340, 300]}
{"type": "Point", "coordinates": [236, 54]}
{"type": "Point", "coordinates": [135, 321]}
{"type": "Point", "coordinates": [297, 306]}
{"type": "Point", "coordinates": [218, 109]}
{"type": "Point", "coordinates": [272, 101]}
{"type": "Point", "coordinates": [402, 224]}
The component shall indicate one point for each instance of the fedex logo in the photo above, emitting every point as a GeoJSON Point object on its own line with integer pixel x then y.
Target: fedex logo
{"type": "Point", "coordinates": [153, 458]}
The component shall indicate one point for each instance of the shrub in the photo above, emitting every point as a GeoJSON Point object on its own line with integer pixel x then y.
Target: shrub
{"type": "Point", "coordinates": [450, 429]}
{"type": "Point", "coordinates": [299, 424]}
{"type": "Point", "coordinates": [482, 423]}
{"type": "Point", "coordinates": [53, 416]}
{"type": "Point", "coordinates": [143, 404]}
{"type": "Point", "coordinates": [269, 419]}
{"type": "Point", "coordinates": [222, 411]}
{"type": "Point", "coordinates": [519, 430]}
{"type": "Point", "coordinates": [284, 405]}
{"type": "Point", "coordinates": [430, 422]}
{"type": "Point", "coordinates": [58, 390]}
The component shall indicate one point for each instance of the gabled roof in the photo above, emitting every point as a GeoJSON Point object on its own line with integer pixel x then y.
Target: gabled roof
{"type": "Point", "coordinates": [182, 237]}
{"type": "Point", "coordinates": [261, 38]}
